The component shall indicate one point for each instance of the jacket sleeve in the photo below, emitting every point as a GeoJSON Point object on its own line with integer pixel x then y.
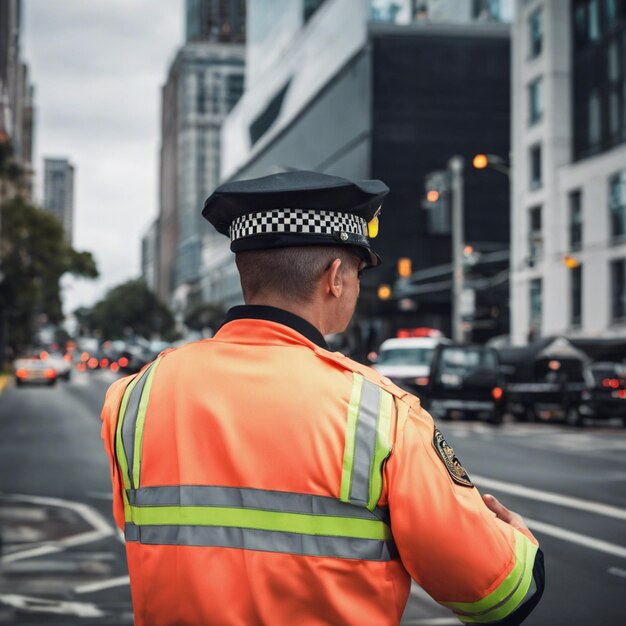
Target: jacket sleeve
{"type": "Point", "coordinates": [109, 415]}
{"type": "Point", "coordinates": [451, 544]}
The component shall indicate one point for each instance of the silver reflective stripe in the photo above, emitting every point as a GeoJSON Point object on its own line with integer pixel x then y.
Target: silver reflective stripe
{"type": "Point", "coordinates": [263, 540]}
{"type": "Point", "coordinates": [130, 422]}
{"type": "Point", "coordinates": [365, 442]}
{"type": "Point", "coordinates": [280, 501]}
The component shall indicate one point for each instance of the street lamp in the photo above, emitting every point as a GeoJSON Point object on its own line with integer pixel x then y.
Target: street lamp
{"type": "Point", "coordinates": [456, 166]}
{"type": "Point", "coordinates": [495, 162]}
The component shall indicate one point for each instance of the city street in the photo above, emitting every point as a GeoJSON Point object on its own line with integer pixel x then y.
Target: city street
{"type": "Point", "coordinates": [63, 560]}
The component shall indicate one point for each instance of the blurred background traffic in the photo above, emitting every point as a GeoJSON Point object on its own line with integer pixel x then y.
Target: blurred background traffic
{"type": "Point", "coordinates": [500, 128]}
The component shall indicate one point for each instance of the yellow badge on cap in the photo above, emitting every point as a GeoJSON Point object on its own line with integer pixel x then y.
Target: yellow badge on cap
{"type": "Point", "coordinates": [372, 228]}
{"type": "Point", "coordinates": [372, 225]}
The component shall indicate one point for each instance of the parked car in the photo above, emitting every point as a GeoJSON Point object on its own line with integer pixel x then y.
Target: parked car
{"type": "Point", "coordinates": [407, 361]}
{"type": "Point", "coordinates": [544, 379]}
{"type": "Point", "coordinates": [603, 395]}
{"type": "Point", "coordinates": [34, 370]}
{"type": "Point", "coordinates": [62, 363]}
{"type": "Point", "coordinates": [465, 381]}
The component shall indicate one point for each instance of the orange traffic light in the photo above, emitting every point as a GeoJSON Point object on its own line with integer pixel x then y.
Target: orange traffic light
{"type": "Point", "coordinates": [432, 196]}
{"type": "Point", "coordinates": [405, 267]}
{"type": "Point", "coordinates": [384, 292]}
{"type": "Point", "coordinates": [480, 161]}
{"type": "Point", "coordinates": [570, 262]}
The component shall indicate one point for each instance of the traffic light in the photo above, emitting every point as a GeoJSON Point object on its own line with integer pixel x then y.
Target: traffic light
{"type": "Point", "coordinates": [405, 268]}
{"type": "Point", "coordinates": [480, 161]}
{"type": "Point", "coordinates": [384, 292]}
{"type": "Point", "coordinates": [570, 262]}
{"type": "Point", "coordinates": [436, 201]}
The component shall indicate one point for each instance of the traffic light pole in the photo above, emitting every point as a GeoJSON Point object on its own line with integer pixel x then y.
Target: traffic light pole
{"type": "Point", "coordinates": [455, 166]}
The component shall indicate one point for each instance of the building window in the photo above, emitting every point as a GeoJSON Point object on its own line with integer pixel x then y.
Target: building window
{"type": "Point", "coordinates": [576, 294]}
{"type": "Point", "coordinates": [535, 101]}
{"type": "Point", "coordinates": [268, 115]}
{"type": "Point", "coordinates": [310, 6]}
{"type": "Point", "coordinates": [536, 33]}
{"type": "Point", "coordinates": [535, 166]}
{"type": "Point", "coordinates": [617, 204]}
{"type": "Point", "coordinates": [575, 220]}
{"type": "Point", "coordinates": [618, 290]}
{"type": "Point", "coordinates": [535, 240]}
{"type": "Point", "coordinates": [534, 327]}
{"type": "Point", "coordinates": [594, 121]}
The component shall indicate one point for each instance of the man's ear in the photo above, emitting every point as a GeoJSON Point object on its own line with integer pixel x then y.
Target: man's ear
{"type": "Point", "coordinates": [334, 278]}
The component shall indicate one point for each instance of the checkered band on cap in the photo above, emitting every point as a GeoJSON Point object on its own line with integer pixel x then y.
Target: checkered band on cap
{"type": "Point", "coordinates": [298, 221]}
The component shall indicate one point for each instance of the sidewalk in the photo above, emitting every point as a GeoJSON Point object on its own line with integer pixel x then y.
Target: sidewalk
{"type": "Point", "coordinates": [5, 380]}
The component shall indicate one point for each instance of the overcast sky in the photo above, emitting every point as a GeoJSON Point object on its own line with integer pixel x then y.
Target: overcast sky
{"type": "Point", "coordinates": [98, 67]}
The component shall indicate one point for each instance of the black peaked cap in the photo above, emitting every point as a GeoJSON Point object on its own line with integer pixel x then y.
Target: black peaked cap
{"type": "Point", "coordinates": [309, 194]}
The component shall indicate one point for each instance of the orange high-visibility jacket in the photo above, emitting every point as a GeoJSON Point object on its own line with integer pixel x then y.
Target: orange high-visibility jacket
{"type": "Point", "coordinates": [261, 479]}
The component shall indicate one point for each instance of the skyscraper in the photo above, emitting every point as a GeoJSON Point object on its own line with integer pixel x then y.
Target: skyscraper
{"type": "Point", "coordinates": [568, 257]}
{"type": "Point", "coordinates": [204, 83]}
{"type": "Point", "coordinates": [218, 21]}
{"type": "Point", "coordinates": [16, 93]}
{"type": "Point", "coordinates": [58, 193]}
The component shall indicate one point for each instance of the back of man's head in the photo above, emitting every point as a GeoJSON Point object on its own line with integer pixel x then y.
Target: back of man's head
{"type": "Point", "coordinates": [290, 274]}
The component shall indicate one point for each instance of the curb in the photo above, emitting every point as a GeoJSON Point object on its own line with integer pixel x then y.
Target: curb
{"type": "Point", "coordinates": [5, 380]}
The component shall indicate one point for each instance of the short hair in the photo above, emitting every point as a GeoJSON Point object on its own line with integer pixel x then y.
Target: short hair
{"type": "Point", "coordinates": [287, 272]}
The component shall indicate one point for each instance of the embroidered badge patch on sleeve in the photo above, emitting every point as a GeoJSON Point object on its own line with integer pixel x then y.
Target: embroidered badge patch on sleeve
{"type": "Point", "coordinates": [452, 463]}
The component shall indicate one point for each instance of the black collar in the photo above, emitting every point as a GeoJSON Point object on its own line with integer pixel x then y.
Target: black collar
{"type": "Point", "coordinates": [280, 316]}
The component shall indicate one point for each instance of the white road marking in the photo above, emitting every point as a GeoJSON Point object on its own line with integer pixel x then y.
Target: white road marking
{"type": "Point", "coordinates": [553, 498]}
{"type": "Point", "coordinates": [41, 605]}
{"type": "Point", "coordinates": [105, 584]}
{"type": "Point", "coordinates": [582, 540]}
{"type": "Point", "coordinates": [101, 528]}
{"type": "Point", "coordinates": [616, 571]}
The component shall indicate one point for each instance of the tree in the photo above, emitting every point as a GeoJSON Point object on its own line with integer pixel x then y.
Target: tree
{"type": "Point", "coordinates": [34, 254]}
{"type": "Point", "coordinates": [205, 315]}
{"type": "Point", "coordinates": [129, 308]}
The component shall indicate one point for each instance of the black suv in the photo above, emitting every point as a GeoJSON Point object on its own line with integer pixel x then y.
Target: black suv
{"type": "Point", "coordinates": [465, 381]}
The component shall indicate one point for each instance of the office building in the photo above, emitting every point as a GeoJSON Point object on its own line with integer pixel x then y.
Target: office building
{"type": "Point", "coordinates": [16, 95]}
{"type": "Point", "coordinates": [217, 21]}
{"type": "Point", "coordinates": [149, 256]}
{"type": "Point", "coordinates": [334, 90]}
{"type": "Point", "coordinates": [204, 82]}
{"type": "Point", "coordinates": [568, 265]}
{"type": "Point", "coordinates": [58, 192]}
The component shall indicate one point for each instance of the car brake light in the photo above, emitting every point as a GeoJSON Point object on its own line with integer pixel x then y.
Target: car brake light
{"type": "Point", "coordinates": [621, 393]}
{"type": "Point", "coordinates": [92, 363]}
{"type": "Point", "coordinates": [84, 356]}
{"type": "Point", "coordinates": [104, 362]}
{"type": "Point", "coordinates": [497, 393]}
{"type": "Point", "coordinates": [123, 362]}
{"type": "Point", "coordinates": [115, 367]}
{"type": "Point", "coordinates": [50, 373]}
{"type": "Point", "coordinates": [21, 373]}
{"type": "Point", "coordinates": [68, 356]}
{"type": "Point", "coordinates": [81, 367]}
{"type": "Point", "coordinates": [43, 355]}
{"type": "Point", "coordinates": [422, 380]}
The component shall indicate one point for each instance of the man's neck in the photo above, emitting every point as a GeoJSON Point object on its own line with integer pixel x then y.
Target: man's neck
{"type": "Point", "coordinates": [309, 311]}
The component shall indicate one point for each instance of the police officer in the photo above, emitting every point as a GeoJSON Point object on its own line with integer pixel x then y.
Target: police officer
{"type": "Point", "coordinates": [261, 479]}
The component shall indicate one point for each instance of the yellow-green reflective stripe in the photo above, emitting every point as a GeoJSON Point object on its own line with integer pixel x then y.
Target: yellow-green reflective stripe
{"type": "Point", "coordinates": [260, 520]}
{"type": "Point", "coordinates": [517, 598]}
{"type": "Point", "coordinates": [509, 594]}
{"type": "Point", "coordinates": [141, 419]}
{"type": "Point", "coordinates": [263, 541]}
{"type": "Point", "coordinates": [348, 454]}
{"type": "Point", "coordinates": [119, 445]}
{"type": "Point", "coordinates": [383, 447]}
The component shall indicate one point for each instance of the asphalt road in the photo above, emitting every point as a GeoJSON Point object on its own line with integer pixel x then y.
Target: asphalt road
{"type": "Point", "coordinates": [63, 561]}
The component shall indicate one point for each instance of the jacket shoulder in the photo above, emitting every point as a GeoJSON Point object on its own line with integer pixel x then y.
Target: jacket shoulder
{"type": "Point", "coordinates": [368, 373]}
